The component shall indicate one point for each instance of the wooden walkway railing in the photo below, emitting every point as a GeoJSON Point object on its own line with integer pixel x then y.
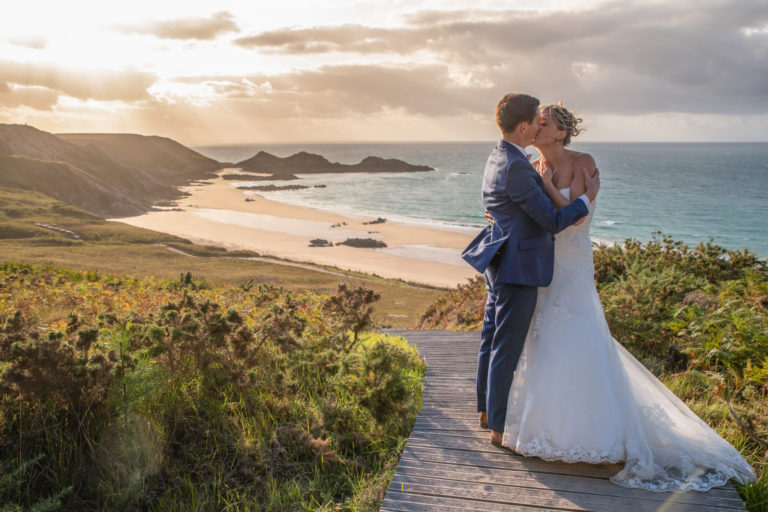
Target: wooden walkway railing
{"type": "Point", "coordinates": [449, 463]}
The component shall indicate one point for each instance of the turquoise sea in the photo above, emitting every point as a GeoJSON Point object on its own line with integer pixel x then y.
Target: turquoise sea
{"type": "Point", "coordinates": [692, 191]}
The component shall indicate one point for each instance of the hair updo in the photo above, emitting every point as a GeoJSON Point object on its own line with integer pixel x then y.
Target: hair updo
{"type": "Point", "coordinates": [565, 120]}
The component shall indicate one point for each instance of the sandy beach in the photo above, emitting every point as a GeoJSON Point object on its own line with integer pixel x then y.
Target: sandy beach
{"type": "Point", "coordinates": [217, 213]}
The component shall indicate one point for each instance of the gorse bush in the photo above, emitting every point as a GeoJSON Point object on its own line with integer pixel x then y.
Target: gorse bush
{"type": "Point", "coordinates": [698, 318]}
{"type": "Point", "coordinates": [124, 394]}
{"type": "Point", "coordinates": [659, 296]}
{"type": "Point", "coordinates": [462, 308]}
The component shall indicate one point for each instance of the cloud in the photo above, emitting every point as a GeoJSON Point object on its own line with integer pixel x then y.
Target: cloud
{"type": "Point", "coordinates": [186, 28]}
{"type": "Point", "coordinates": [36, 43]}
{"type": "Point", "coordinates": [619, 57]}
{"type": "Point", "coordinates": [345, 38]}
{"type": "Point", "coordinates": [438, 70]}
{"type": "Point", "coordinates": [350, 90]}
{"type": "Point", "coordinates": [81, 84]}
{"type": "Point", "coordinates": [38, 98]}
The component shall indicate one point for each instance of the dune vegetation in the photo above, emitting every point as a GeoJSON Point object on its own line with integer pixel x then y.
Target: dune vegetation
{"type": "Point", "coordinates": [173, 394]}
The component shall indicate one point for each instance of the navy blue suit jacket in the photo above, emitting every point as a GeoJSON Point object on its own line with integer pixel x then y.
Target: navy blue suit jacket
{"type": "Point", "coordinates": [514, 194]}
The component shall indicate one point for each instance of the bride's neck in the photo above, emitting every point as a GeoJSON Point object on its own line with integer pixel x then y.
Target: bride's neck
{"type": "Point", "coordinates": [553, 154]}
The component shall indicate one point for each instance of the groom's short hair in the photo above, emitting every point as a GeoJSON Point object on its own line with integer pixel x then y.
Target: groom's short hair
{"type": "Point", "coordinates": [514, 109]}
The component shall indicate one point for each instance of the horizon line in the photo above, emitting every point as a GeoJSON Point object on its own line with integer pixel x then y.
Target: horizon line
{"type": "Point", "coordinates": [336, 142]}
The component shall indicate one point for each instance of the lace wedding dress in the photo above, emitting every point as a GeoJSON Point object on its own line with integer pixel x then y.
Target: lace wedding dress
{"type": "Point", "coordinates": [578, 395]}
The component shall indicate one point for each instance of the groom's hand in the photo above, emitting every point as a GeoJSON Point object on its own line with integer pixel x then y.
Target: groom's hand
{"type": "Point", "coordinates": [489, 217]}
{"type": "Point", "coordinates": [592, 183]}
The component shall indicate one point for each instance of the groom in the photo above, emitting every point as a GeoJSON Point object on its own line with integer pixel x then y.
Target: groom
{"type": "Point", "coordinates": [516, 253]}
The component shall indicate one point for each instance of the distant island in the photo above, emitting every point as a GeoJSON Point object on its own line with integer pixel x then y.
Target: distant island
{"type": "Point", "coordinates": [308, 163]}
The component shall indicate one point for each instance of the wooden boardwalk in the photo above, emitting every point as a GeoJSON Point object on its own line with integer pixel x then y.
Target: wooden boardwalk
{"type": "Point", "coordinates": [449, 463]}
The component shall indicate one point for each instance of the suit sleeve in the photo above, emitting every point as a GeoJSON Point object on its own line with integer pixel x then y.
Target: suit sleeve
{"type": "Point", "coordinates": [523, 188]}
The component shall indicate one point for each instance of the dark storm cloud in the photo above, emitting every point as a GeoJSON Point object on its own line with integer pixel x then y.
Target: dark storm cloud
{"type": "Point", "coordinates": [186, 28]}
{"type": "Point", "coordinates": [620, 57]}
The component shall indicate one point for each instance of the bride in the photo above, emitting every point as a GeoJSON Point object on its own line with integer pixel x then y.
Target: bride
{"type": "Point", "coordinates": [577, 394]}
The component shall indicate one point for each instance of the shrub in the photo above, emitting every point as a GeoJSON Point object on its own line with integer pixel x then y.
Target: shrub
{"type": "Point", "coordinates": [142, 394]}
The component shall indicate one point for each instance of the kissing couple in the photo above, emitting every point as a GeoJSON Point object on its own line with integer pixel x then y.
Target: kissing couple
{"type": "Point", "coordinates": [551, 380]}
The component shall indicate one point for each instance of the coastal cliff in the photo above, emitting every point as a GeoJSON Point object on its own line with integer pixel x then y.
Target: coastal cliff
{"type": "Point", "coordinates": [113, 175]}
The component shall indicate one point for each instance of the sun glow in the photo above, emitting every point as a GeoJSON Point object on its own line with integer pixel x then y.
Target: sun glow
{"type": "Point", "coordinates": [359, 66]}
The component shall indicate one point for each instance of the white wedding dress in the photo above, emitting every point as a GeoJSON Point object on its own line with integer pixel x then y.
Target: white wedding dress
{"type": "Point", "coordinates": [579, 396]}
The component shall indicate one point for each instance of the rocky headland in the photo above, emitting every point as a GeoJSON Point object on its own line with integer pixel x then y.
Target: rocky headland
{"type": "Point", "coordinates": [308, 163]}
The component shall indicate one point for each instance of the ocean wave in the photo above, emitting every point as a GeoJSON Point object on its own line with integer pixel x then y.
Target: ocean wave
{"type": "Point", "coordinates": [607, 223]}
{"type": "Point", "coordinates": [604, 241]}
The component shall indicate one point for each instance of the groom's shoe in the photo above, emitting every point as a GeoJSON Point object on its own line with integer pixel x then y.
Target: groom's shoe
{"type": "Point", "coordinates": [496, 438]}
{"type": "Point", "coordinates": [484, 420]}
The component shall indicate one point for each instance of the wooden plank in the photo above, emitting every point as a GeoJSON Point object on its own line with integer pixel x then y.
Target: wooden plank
{"type": "Point", "coordinates": [454, 412]}
{"type": "Point", "coordinates": [468, 412]}
{"type": "Point", "coordinates": [559, 500]}
{"type": "Point", "coordinates": [557, 483]}
{"type": "Point", "coordinates": [426, 422]}
{"type": "Point", "coordinates": [504, 459]}
{"type": "Point", "coordinates": [724, 491]}
{"type": "Point", "coordinates": [396, 501]}
{"type": "Point", "coordinates": [479, 433]}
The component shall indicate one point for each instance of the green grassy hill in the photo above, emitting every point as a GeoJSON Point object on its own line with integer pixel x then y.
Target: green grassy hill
{"type": "Point", "coordinates": [113, 175]}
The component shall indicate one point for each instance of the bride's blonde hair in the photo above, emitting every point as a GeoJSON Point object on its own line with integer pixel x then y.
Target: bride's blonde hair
{"type": "Point", "coordinates": [565, 119]}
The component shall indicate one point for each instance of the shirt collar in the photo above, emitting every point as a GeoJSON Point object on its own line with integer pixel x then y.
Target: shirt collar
{"type": "Point", "coordinates": [509, 145]}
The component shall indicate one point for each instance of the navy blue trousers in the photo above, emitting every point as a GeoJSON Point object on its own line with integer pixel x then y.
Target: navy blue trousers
{"type": "Point", "coordinates": [508, 313]}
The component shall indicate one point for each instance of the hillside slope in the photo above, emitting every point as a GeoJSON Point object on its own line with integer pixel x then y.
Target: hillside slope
{"type": "Point", "coordinates": [112, 175]}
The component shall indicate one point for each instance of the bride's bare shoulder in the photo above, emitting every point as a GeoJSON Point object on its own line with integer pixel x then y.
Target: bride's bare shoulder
{"type": "Point", "coordinates": [581, 160]}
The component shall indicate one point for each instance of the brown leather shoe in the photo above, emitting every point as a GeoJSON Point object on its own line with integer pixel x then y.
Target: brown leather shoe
{"type": "Point", "coordinates": [484, 420]}
{"type": "Point", "coordinates": [496, 438]}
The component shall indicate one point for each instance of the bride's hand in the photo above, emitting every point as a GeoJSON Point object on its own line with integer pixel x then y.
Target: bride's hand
{"type": "Point", "coordinates": [547, 174]}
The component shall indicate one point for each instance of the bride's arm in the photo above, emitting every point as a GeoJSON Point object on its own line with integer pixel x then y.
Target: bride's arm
{"type": "Point", "coordinates": [578, 187]}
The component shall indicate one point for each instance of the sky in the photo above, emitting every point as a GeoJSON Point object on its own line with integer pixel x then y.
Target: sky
{"type": "Point", "coordinates": [257, 71]}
